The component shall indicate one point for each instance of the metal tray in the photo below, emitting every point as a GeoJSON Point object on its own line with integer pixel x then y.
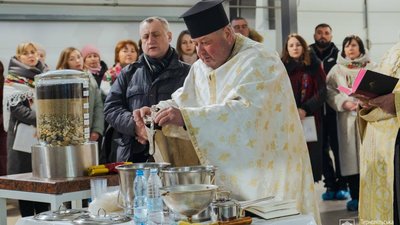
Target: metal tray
{"type": "Point", "coordinates": [101, 219]}
{"type": "Point", "coordinates": [62, 214]}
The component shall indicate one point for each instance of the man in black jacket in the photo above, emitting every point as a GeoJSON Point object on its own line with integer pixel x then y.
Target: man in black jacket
{"type": "Point", "coordinates": [327, 52]}
{"type": "Point", "coordinates": [154, 77]}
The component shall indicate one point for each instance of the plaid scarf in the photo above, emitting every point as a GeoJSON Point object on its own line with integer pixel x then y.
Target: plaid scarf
{"type": "Point", "coordinates": [11, 78]}
{"type": "Point", "coordinates": [157, 66]}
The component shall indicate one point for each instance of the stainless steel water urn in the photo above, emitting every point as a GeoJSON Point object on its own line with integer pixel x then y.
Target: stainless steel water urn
{"type": "Point", "coordinates": [62, 115]}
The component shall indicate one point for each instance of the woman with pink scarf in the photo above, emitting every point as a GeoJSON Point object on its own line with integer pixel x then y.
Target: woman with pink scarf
{"type": "Point", "coordinates": [93, 63]}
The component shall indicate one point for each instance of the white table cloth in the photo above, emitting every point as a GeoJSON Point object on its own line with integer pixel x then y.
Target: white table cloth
{"type": "Point", "coordinates": [290, 220]}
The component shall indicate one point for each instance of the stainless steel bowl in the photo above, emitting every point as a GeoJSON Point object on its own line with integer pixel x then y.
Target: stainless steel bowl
{"type": "Point", "coordinates": [188, 200]}
{"type": "Point", "coordinates": [188, 175]}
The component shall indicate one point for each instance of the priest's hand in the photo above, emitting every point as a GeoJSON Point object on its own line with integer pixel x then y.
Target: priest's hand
{"type": "Point", "coordinates": [363, 100]}
{"type": "Point", "coordinates": [140, 129]}
{"type": "Point", "coordinates": [385, 102]}
{"type": "Point", "coordinates": [170, 115]}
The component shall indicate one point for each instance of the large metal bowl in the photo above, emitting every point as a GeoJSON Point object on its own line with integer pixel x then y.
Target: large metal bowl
{"type": "Point", "coordinates": [188, 175]}
{"type": "Point", "coordinates": [188, 200]}
{"type": "Point", "coordinates": [204, 174]}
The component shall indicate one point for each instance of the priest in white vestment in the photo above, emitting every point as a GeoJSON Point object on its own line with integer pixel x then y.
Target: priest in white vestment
{"type": "Point", "coordinates": [237, 109]}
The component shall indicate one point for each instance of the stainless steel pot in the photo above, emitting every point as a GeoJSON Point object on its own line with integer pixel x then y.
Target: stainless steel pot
{"type": "Point", "coordinates": [223, 208]}
{"type": "Point", "coordinates": [63, 161]}
{"type": "Point", "coordinates": [127, 174]}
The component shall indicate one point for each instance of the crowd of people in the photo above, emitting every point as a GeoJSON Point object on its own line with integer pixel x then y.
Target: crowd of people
{"type": "Point", "coordinates": [216, 93]}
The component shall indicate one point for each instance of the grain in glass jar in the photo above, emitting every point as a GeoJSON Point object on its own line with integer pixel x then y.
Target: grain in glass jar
{"type": "Point", "coordinates": [62, 108]}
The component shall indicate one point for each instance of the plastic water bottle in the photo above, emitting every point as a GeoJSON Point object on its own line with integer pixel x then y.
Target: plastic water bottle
{"type": "Point", "coordinates": [140, 200]}
{"type": "Point", "coordinates": [154, 201]}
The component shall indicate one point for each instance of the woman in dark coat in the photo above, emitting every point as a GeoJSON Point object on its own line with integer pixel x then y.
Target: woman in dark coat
{"type": "Point", "coordinates": [18, 107]}
{"type": "Point", "coordinates": [309, 88]}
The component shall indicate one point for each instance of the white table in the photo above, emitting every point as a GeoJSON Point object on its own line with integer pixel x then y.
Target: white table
{"type": "Point", "coordinates": [53, 191]}
{"type": "Point", "coordinates": [291, 220]}
{"type": "Point", "coordinates": [54, 200]}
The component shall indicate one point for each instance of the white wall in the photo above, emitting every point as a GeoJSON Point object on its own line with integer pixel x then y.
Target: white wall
{"type": "Point", "coordinates": [55, 36]}
{"type": "Point", "coordinates": [346, 17]}
{"type": "Point", "coordinates": [56, 27]}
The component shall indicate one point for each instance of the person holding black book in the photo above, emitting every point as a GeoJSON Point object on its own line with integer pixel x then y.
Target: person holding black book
{"type": "Point", "coordinates": [352, 58]}
{"type": "Point", "coordinates": [379, 153]}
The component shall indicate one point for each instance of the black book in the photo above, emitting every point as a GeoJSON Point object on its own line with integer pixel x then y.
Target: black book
{"type": "Point", "coordinates": [371, 84]}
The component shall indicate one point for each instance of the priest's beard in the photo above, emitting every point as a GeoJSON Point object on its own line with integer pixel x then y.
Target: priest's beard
{"type": "Point", "coordinates": [322, 43]}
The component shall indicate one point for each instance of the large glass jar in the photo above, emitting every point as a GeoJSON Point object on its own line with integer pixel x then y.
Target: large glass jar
{"type": "Point", "coordinates": [62, 110]}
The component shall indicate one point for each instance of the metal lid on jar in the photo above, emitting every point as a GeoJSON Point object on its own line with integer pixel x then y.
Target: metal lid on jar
{"type": "Point", "coordinates": [61, 77]}
{"type": "Point", "coordinates": [57, 73]}
{"type": "Point", "coordinates": [61, 215]}
{"type": "Point", "coordinates": [62, 84]}
{"type": "Point", "coordinates": [229, 204]}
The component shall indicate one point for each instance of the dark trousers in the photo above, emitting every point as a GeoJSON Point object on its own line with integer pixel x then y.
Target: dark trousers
{"type": "Point", "coordinates": [315, 153]}
{"type": "Point", "coordinates": [396, 183]}
{"type": "Point", "coordinates": [333, 178]}
{"type": "Point", "coordinates": [28, 208]}
{"type": "Point", "coordinates": [354, 185]}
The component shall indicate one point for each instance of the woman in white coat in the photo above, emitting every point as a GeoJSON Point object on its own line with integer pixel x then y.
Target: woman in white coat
{"type": "Point", "coordinates": [352, 58]}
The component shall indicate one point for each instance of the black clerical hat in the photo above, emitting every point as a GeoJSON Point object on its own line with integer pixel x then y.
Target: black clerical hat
{"type": "Point", "coordinates": [205, 17]}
